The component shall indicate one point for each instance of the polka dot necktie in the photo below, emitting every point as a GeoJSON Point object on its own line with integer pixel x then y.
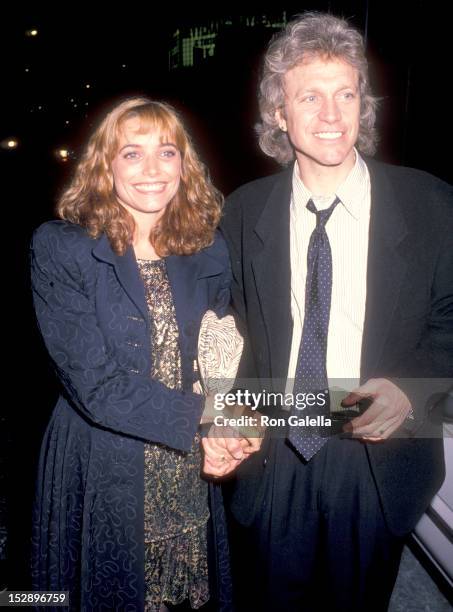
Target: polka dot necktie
{"type": "Point", "coordinates": [311, 373]}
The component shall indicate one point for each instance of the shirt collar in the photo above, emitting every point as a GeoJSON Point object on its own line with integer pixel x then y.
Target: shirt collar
{"type": "Point", "coordinates": [351, 192]}
{"type": "Point", "coordinates": [300, 194]}
{"type": "Point", "coordinates": [355, 187]}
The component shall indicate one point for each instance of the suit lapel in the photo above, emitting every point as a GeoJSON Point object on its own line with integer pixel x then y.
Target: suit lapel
{"type": "Point", "coordinates": [386, 268]}
{"type": "Point", "coordinates": [126, 270]}
{"type": "Point", "coordinates": [271, 267]}
{"type": "Point", "coordinates": [183, 273]}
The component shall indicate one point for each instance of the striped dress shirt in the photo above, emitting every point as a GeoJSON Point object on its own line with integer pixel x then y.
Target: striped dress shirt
{"type": "Point", "coordinates": [347, 230]}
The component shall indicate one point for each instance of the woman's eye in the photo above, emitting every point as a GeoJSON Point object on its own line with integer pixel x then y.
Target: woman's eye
{"type": "Point", "coordinates": [131, 155]}
{"type": "Point", "coordinates": [168, 153]}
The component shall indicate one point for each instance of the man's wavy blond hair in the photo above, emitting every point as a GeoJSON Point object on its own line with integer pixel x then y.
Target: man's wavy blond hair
{"type": "Point", "coordinates": [189, 220]}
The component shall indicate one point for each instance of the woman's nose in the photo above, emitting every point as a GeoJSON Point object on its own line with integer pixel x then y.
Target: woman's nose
{"type": "Point", "coordinates": [151, 165]}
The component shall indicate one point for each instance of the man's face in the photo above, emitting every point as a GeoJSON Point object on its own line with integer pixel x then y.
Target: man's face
{"type": "Point", "coordinates": [322, 112]}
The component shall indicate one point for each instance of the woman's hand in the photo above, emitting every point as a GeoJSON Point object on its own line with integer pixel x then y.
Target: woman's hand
{"type": "Point", "coordinates": [225, 448]}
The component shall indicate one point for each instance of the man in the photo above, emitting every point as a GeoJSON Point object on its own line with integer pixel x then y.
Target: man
{"type": "Point", "coordinates": [343, 267]}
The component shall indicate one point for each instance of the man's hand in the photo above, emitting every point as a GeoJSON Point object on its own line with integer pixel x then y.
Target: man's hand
{"type": "Point", "coordinates": [389, 409]}
{"type": "Point", "coordinates": [225, 449]}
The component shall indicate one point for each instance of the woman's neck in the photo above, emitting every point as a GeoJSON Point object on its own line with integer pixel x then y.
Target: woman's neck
{"type": "Point", "coordinates": [142, 246]}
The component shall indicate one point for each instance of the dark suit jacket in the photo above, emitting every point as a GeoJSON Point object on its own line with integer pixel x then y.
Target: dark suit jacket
{"type": "Point", "coordinates": [408, 330]}
{"type": "Point", "coordinates": [91, 310]}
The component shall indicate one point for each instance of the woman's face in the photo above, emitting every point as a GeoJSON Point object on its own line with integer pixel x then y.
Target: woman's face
{"type": "Point", "coordinates": [146, 172]}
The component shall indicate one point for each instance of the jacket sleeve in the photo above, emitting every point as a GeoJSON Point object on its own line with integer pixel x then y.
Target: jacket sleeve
{"type": "Point", "coordinates": [426, 373]}
{"type": "Point", "coordinates": [221, 301]}
{"type": "Point", "coordinates": [106, 393]}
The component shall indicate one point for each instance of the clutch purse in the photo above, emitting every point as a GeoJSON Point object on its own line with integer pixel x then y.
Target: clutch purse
{"type": "Point", "coordinates": [219, 352]}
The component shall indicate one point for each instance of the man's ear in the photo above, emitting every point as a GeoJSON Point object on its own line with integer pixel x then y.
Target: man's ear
{"type": "Point", "coordinates": [280, 119]}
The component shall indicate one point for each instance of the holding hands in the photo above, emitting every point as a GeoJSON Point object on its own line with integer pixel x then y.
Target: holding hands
{"type": "Point", "coordinates": [225, 448]}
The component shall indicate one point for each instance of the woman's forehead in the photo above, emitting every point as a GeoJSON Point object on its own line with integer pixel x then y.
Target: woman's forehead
{"type": "Point", "coordinates": [146, 125]}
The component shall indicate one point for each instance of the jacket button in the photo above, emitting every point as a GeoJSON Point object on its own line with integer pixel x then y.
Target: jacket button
{"type": "Point", "coordinates": [265, 462]}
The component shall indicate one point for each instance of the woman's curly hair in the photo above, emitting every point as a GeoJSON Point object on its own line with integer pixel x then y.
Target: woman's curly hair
{"type": "Point", "coordinates": [190, 218]}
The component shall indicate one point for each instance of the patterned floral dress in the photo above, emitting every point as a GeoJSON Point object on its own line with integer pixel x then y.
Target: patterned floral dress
{"type": "Point", "coordinates": [176, 499]}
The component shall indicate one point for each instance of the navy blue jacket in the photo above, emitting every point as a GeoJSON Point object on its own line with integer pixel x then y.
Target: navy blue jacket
{"type": "Point", "coordinates": [91, 310]}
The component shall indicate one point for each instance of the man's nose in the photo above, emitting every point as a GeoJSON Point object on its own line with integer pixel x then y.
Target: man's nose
{"type": "Point", "coordinates": [330, 110]}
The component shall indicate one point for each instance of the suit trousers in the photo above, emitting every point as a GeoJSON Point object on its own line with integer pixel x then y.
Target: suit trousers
{"type": "Point", "coordinates": [319, 541]}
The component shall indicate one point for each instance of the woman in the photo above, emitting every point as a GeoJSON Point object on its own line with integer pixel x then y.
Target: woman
{"type": "Point", "coordinates": [120, 286]}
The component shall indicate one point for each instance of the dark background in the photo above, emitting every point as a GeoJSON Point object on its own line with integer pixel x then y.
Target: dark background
{"type": "Point", "coordinates": [123, 52]}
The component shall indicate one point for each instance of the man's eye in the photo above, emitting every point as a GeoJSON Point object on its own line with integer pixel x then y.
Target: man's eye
{"type": "Point", "coordinates": [348, 95]}
{"type": "Point", "coordinates": [309, 99]}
